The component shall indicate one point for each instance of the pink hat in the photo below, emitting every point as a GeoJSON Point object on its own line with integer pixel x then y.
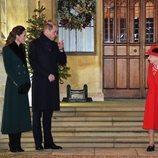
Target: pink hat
{"type": "Point", "coordinates": [153, 51]}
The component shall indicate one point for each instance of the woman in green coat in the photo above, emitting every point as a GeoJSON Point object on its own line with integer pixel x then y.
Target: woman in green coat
{"type": "Point", "coordinates": [16, 113]}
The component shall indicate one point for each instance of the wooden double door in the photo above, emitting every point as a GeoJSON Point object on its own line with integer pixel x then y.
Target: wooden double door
{"type": "Point", "coordinates": [130, 28]}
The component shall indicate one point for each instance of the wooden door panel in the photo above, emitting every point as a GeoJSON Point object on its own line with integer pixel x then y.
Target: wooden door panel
{"type": "Point", "coordinates": [108, 73]}
{"type": "Point", "coordinates": [109, 50]}
{"type": "Point", "coordinates": [134, 71]}
{"type": "Point", "coordinates": [134, 50]}
{"type": "Point", "coordinates": [121, 50]}
{"type": "Point", "coordinates": [121, 73]}
{"type": "Point", "coordinates": [122, 93]}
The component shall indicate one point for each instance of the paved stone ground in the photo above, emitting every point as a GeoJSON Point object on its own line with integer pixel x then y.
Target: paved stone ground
{"type": "Point", "coordinates": [84, 153]}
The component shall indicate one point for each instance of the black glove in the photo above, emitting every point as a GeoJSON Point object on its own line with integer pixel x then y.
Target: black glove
{"type": "Point", "coordinates": [24, 88]}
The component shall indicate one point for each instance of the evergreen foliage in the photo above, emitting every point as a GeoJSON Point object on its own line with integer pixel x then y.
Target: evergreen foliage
{"type": "Point", "coordinates": [34, 30]}
{"type": "Point", "coordinates": [76, 14]}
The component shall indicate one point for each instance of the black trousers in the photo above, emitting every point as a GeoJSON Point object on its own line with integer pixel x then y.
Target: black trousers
{"type": "Point", "coordinates": [46, 116]}
{"type": "Point", "coordinates": [14, 141]}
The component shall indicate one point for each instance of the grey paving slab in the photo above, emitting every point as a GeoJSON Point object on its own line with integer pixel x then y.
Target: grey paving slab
{"type": "Point", "coordinates": [84, 153]}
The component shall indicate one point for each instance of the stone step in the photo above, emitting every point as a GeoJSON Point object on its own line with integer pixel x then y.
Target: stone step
{"type": "Point", "coordinates": [31, 147]}
{"type": "Point", "coordinates": [97, 129]}
{"type": "Point", "coordinates": [103, 114]}
{"type": "Point", "coordinates": [110, 103]}
{"type": "Point", "coordinates": [73, 131]}
{"type": "Point", "coordinates": [96, 119]}
{"type": "Point", "coordinates": [102, 108]}
{"type": "Point", "coordinates": [86, 124]}
{"type": "Point", "coordinates": [96, 124]}
{"type": "Point", "coordinates": [139, 141]}
{"type": "Point", "coordinates": [129, 105]}
{"type": "Point", "coordinates": [93, 134]}
{"type": "Point", "coordinates": [80, 141]}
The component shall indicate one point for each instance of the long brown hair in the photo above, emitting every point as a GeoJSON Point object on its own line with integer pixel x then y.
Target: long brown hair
{"type": "Point", "coordinates": [17, 30]}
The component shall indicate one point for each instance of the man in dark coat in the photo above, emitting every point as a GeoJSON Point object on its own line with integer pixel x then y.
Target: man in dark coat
{"type": "Point", "coordinates": [45, 55]}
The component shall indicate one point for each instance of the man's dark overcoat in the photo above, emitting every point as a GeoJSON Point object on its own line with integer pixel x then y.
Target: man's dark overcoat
{"type": "Point", "coordinates": [44, 57]}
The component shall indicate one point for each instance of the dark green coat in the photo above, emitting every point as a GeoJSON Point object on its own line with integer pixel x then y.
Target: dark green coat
{"type": "Point", "coordinates": [16, 111]}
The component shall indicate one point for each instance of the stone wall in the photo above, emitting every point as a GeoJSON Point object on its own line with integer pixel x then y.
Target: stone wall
{"type": "Point", "coordinates": [2, 86]}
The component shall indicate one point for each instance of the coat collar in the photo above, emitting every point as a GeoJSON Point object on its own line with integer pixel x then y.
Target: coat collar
{"type": "Point", "coordinates": [45, 39]}
{"type": "Point", "coordinates": [19, 51]}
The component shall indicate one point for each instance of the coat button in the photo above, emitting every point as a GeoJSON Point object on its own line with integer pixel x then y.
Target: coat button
{"type": "Point", "coordinates": [19, 73]}
{"type": "Point", "coordinates": [18, 65]}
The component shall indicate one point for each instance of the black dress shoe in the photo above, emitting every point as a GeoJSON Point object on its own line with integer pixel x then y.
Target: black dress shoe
{"type": "Point", "coordinates": [20, 150]}
{"type": "Point", "coordinates": [39, 147]}
{"type": "Point", "coordinates": [17, 150]}
{"type": "Point", "coordinates": [52, 146]}
{"type": "Point", "coordinates": [13, 150]}
{"type": "Point", "coordinates": [150, 148]}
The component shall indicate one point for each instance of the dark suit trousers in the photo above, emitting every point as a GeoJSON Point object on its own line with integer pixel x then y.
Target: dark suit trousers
{"type": "Point", "coordinates": [46, 116]}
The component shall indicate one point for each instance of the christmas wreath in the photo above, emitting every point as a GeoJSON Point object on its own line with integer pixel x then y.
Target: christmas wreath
{"type": "Point", "coordinates": [76, 14]}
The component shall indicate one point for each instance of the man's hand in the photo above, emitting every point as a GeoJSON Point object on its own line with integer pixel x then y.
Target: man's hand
{"type": "Point", "coordinates": [61, 45]}
{"type": "Point", "coordinates": [51, 77]}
